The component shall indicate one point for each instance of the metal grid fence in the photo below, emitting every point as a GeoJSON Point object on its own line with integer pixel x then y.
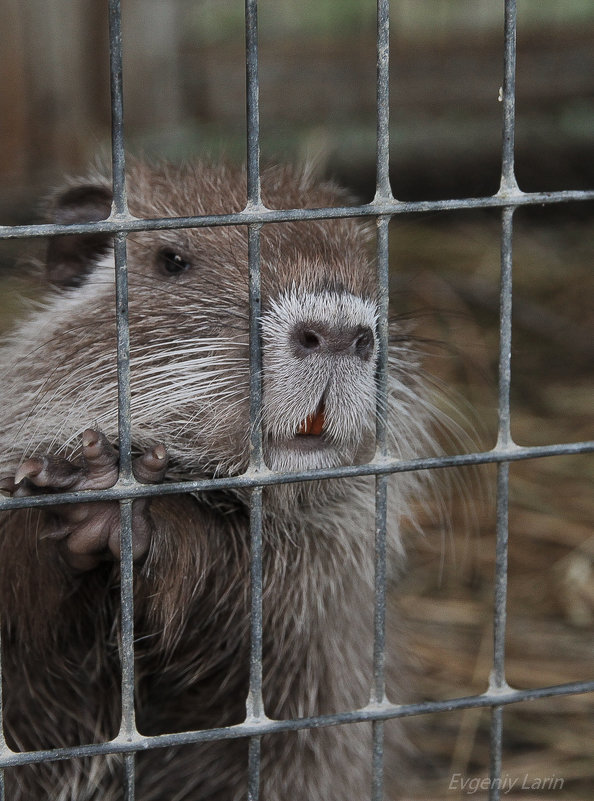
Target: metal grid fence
{"type": "Point", "coordinates": [383, 207]}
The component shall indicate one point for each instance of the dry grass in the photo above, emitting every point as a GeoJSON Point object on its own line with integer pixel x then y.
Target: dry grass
{"type": "Point", "coordinates": [447, 595]}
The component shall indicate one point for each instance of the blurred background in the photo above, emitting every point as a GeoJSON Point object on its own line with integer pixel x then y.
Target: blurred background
{"type": "Point", "coordinates": [184, 86]}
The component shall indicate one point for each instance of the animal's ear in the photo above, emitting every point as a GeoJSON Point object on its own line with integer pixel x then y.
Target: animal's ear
{"type": "Point", "coordinates": [71, 257]}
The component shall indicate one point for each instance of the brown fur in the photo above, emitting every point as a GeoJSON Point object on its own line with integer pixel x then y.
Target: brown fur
{"type": "Point", "coordinates": [60, 635]}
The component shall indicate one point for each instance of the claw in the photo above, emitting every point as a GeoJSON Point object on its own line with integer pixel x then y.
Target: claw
{"type": "Point", "coordinates": [100, 461]}
{"type": "Point", "coordinates": [96, 448]}
{"type": "Point", "coordinates": [90, 438]}
{"type": "Point", "coordinates": [29, 469]}
{"type": "Point", "coordinates": [150, 468]}
{"type": "Point", "coordinates": [48, 471]}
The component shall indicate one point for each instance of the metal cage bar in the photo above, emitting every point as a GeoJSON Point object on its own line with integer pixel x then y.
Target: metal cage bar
{"type": "Point", "coordinates": [382, 192]}
{"type": "Point", "coordinates": [508, 184]}
{"type": "Point", "coordinates": [382, 208]}
{"type": "Point", "coordinates": [497, 679]}
{"type": "Point", "coordinates": [126, 476]}
{"type": "Point", "coordinates": [254, 704]}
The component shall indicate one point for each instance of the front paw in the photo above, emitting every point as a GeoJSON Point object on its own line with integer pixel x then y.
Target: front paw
{"type": "Point", "coordinates": [90, 532]}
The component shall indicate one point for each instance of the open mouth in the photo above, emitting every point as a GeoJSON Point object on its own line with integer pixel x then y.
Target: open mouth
{"type": "Point", "coordinates": [310, 436]}
{"type": "Point", "coordinates": [313, 425]}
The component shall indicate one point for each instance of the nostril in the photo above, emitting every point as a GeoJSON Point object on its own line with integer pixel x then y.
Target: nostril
{"type": "Point", "coordinates": [363, 344]}
{"type": "Point", "coordinates": [309, 339]}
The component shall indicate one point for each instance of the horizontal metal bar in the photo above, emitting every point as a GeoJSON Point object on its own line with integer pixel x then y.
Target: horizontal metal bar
{"type": "Point", "coordinates": [385, 711]}
{"type": "Point", "coordinates": [264, 215]}
{"type": "Point", "coordinates": [267, 477]}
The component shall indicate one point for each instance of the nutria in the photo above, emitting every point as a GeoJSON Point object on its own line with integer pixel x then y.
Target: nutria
{"type": "Point", "coordinates": [59, 573]}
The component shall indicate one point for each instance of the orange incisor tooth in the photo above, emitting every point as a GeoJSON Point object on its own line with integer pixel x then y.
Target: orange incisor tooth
{"type": "Point", "coordinates": [317, 424]}
{"type": "Point", "coordinates": [313, 424]}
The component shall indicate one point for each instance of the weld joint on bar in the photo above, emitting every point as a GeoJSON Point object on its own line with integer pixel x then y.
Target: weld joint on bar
{"type": "Point", "coordinates": [129, 735]}
{"type": "Point", "coordinates": [497, 688]}
{"type": "Point", "coordinates": [380, 705]}
{"type": "Point", "coordinates": [257, 720]}
{"type": "Point", "coordinates": [385, 199]}
{"type": "Point", "coordinates": [505, 445]}
{"type": "Point", "coordinates": [255, 207]}
{"type": "Point", "coordinates": [257, 470]}
{"type": "Point", "coordinates": [121, 217]}
{"type": "Point", "coordinates": [509, 190]}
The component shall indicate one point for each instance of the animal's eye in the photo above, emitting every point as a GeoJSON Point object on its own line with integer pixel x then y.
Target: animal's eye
{"type": "Point", "coordinates": [172, 263]}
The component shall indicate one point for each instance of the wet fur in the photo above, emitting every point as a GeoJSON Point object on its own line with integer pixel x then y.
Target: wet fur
{"type": "Point", "coordinates": [190, 391]}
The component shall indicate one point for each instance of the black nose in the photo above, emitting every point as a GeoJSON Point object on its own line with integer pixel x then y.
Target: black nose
{"type": "Point", "coordinates": [321, 338]}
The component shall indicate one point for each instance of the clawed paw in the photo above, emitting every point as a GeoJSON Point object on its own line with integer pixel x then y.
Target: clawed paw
{"type": "Point", "coordinates": [89, 532]}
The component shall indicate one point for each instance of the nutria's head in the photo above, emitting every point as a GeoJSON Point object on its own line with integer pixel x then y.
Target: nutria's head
{"type": "Point", "coordinates": [189, 322]}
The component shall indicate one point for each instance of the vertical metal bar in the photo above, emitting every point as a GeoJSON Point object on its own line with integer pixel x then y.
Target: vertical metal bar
{"type": "Point", "coordinates": [383, 189]}
{"type": "Point", "coordinates": [255, 346]}
{"type": "Point", "coordinates": [379, 635]}
{"type": "Point", "coordinates": [381, 451]}
{"type": "Point", "coordinates": [496, 734]}
{"type": "Point", "coordinates": [129, 779]}
{"type": "Point", "coordinates": [254, 703]}
{"type": "Point", "coordinates": [253, 189]}
{"type": "Point", "coordinates": [383, 301]}
{"type": "Point", "coordinates": [381, 490]}
{"type": "Point", "coordinates": [377, 764]}
{"type": "Point", "coordinates": [128, 726]}
{"type": "Point", "coordinates": [128, 723]}
{"type": "Point", "coordinates": [379, 645]}
{"type": "Point", "coordinates": [379, 639]}
{"type": "Point", "coordinates": [498, 676]}
{"type": "Point", "coordinates": [254, 706]}
{"type": "Point", "coordinates": [120, 208]}
{"type": "Point", "coordinates": [505, 328]}
{"type": "Point", "coordinates": [498, 681]}
{"type": "Point", "coordinates": [254, 761]}
{"type": "Point", "coordinates": [117, 108]}
{"type": "Point", "coordinates": [123, 357]}
{"type": "Point", "coordinates": [508, 184]}
{"type": "Point", "coordinates": [253, 102]}
{"type": "Point", "coordinates": [508, 178]}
